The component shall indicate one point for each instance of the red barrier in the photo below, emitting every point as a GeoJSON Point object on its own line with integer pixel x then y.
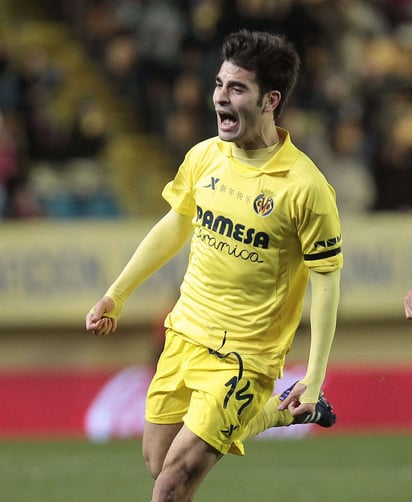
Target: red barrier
{"type": "Point", "coordinates": [46, 403]}
{"type": "Point", "coordinates": [101, 404]}
{"type": "Point", "coordinates": [375, 399]}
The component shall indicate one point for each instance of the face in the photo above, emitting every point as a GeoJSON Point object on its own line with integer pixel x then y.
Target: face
{"type": "Point", "coordinates": [243, 116]}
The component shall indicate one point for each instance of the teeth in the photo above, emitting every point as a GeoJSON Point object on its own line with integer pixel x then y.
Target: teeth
{"type": "Point", "coordinates": [227, 119]}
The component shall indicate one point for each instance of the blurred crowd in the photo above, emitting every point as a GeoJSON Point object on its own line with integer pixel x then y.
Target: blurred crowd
{"type": "Point", "coordinates": [351, 111]}
{"type": "Point", "coordinates": [48, 165]}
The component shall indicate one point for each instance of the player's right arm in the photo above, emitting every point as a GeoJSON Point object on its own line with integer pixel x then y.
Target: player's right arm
{"type": "Point", "coordinates": [162, 242]}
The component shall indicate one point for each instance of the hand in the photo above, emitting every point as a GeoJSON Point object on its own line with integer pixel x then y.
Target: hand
{"type": "Point", "coordinates": [96, 321]}
{"type": "Point", "coordinates": [293, 404]}
{"type": "Point", "coordinates": [407, 302]}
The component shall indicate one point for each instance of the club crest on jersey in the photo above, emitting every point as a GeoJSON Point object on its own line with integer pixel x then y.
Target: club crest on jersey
{"type": "Point", "coordinates": [263, 205]}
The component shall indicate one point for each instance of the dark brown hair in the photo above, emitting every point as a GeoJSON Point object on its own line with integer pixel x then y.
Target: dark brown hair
{"type": "Point", "coordinates": [272, 58]}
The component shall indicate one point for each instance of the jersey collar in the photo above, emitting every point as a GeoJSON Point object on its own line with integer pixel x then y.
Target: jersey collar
{"type": "Point", "coordinates": [281, 161]}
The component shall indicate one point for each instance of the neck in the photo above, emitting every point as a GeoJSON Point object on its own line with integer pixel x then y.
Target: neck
{"type": "Point", "coordinates": [263, 141]}
{"type": "Point", "coordinates": [267, 136]}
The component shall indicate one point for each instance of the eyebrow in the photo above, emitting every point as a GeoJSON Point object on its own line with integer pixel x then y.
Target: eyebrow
{"type": "Point", "coordinates": [236, 83]}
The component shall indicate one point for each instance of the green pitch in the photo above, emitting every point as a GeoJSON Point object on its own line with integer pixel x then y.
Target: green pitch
{"type": "Point", "coordinates": [323, 469]}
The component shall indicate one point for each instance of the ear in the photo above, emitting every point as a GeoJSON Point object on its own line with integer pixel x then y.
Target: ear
{"type": "Point", "coordinates": [272, 100]}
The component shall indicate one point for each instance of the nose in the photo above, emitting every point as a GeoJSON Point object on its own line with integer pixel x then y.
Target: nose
{"type": "Point", "coordinates": [221, 96]}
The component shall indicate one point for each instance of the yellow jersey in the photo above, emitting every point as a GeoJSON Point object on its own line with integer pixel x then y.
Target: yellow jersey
{"type": "Point", "coordinates": [257, 232]}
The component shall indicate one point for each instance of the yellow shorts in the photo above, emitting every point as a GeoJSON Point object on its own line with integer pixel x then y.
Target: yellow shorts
{"type": "Point", "coordinates": [214, 394]}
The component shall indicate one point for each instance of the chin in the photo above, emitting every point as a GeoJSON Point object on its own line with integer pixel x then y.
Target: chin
{"type": "Point", "coordinates": [227, 136]}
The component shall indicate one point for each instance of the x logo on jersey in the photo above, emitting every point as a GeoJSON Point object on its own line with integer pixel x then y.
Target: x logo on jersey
{"type": "Point", "coordinates": [213, 182]}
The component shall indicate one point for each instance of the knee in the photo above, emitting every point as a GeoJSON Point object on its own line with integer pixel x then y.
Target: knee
{"type": "Point", "coordinates": [166, 487]}
{"type": "Point", "coordinates": [174, 485]}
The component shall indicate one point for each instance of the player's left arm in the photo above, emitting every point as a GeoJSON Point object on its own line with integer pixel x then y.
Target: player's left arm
{"type": "Point", "coordinates": [317, 216]}
{"type": "Point", "coordinates": [323, 314]}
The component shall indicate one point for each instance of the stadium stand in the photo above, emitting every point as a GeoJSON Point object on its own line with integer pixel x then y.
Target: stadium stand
{"type": "Point", "coordinates": [138, 75]}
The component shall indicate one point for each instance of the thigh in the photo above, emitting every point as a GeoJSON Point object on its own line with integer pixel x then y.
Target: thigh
{"type": "Point", "coordinates": [157, 439]}
{"type": "Point", "coordinates": [187, 462]}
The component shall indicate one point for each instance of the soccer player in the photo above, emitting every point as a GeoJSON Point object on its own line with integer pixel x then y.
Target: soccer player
{"type": "Point", "coordinates": [262, 221]}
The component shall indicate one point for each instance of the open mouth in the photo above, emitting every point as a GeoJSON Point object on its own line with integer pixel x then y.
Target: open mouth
{"type": "Point", "coordinates": [227, 120]}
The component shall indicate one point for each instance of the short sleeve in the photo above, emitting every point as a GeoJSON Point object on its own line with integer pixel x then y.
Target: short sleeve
{"type": "Point", "coordinates": [319, 231]}
{"type": "Point", "coordinates": [179, 192]}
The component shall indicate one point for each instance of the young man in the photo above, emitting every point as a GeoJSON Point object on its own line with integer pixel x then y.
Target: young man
{"type": "Point", "coordinates": [262, 219]}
